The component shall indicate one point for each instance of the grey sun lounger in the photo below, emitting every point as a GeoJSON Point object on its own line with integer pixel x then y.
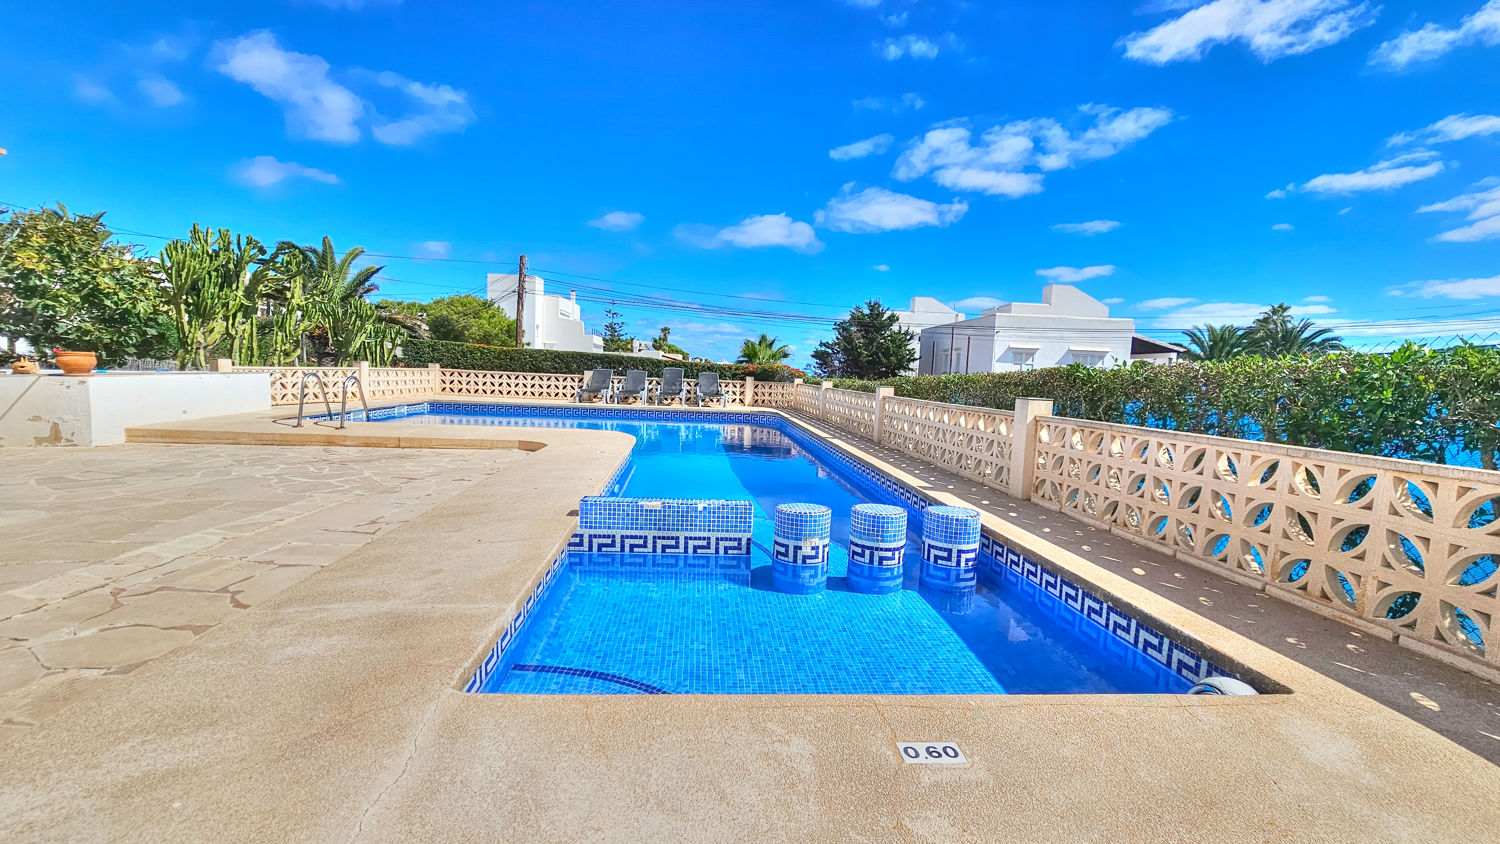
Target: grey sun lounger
{"type": "Point", "coordinates": [634, 388]}
{"type": "Point", "coordinates": [708, 388]}
{"type": "Point", "coordinates": [671, 385]}
{"type": "Point", "coordinates": [598, 384]}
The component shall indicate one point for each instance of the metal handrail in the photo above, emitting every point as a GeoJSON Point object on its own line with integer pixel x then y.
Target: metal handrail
{"type": "Point", "coordinates": [302, 396]}
{"type": "Point", "coordinates": [344, 402]}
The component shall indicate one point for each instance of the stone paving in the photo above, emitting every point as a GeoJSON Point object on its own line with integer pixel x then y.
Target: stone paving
{"type": "Point", "coordinates": [114, 556]}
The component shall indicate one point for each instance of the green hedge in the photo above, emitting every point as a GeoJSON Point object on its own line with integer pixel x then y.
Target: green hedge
{"type": "Point", "coordinates": [498, 359]}
{"type": "Point", "coordinates": [1434, 405]}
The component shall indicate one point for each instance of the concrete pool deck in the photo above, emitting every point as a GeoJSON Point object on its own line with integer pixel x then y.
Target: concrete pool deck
{"type": "Point", "coordinates": [331, 710]}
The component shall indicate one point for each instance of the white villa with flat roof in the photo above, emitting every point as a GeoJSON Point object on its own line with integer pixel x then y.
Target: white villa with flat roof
{"type": "Point", "coordinates": [1067, 326]}
{"type": "Point", "coordinates": [552, 321]}
{"type": "Point", "coordinates": [925, 313]}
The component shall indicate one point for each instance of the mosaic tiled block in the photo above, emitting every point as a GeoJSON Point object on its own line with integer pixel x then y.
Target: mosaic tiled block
{"type": "Point", "coordinates": [608, 525]}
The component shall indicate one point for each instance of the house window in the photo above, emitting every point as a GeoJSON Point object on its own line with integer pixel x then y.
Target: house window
{"type": "Point", "coordinates": [1088, 358]}
{"type": "Point", "coordinates": [1023, 358]}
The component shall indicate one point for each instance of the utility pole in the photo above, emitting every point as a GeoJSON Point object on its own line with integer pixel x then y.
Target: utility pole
{"type": "Point", "coordinates": [521, 305]}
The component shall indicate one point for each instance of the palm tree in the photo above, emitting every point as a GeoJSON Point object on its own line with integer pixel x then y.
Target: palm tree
{"type": "Point", "coordinates": [1274, 334]}
{"type": "Point", "coordinates": [340, 323]}
{"type": "Point", "coordinates": [1216, 342]}
{"type": "Point", "coordinates": [763, 350]}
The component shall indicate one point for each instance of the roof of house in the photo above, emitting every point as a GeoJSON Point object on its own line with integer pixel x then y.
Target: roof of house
{"type": "Point", "coordinates": [1142, 345]}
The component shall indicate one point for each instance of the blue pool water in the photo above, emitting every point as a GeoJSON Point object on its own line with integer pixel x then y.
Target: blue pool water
{"type": "Point", "coordinates": [612, 623]}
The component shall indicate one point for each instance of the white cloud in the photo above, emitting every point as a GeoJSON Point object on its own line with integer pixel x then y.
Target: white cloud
{"type": "Point", "coordinates": [1453, 288]}
{"type": "Point", "coordinates": [1482, 207]}
{"type": "Point", "coordinates": [1092, 227]}
{"type": "Point", "coordinates": [914, 46]}
{"type": "Point", "coordinates": [881, 268]}
{"type": "Point", "coordinates": [90, 92]}
{"type": "Point", "coordinates": [1434, 40]}
{"type": "Point", "coordinates": [863, 4]}
{"type": "Point", "coordinates": [1454, 127]}
{"type": "Point", "coordinates": [859, 149]}
{"type": "Point", "coordinates": [1281, 193]}
{"type": "Point", "coordinates": [618, 221]}
{"type": "Point", "coordinates": [434, 109]}
{"type": "Point", "coordinates": [1113, 300]}
{"type": "Point", "coordinates": [432, 249]}
{"type": "Point", "coordinates": [1343, 211]}
{"type": "Point", "coordinates": [908, 101]}
{"type": "Point", "coordinates": [875, 210]}
{"type": "Point", "coordinates": [1386, 175]}
{"type": "Point", "coordinates": [1164, 303]}
{"type": "Point", "coordinates": [1069, 275]}
{"type": "Point", "coordinates": [265, 171]}
{"type": "Point", "coordinates": [1282, 227]}
{"type": "Point", "coordinates": [976, 303]}
{"type": "Point", "coordinates": [895, 21]}
{"type": "Point", "coordinates": [316, 106]}
{"type": "Point", "coordinates": [755, 232]}
{"type": "Point", "coordinates": [1317, 299]}
{"type": "Point", "coordinates": [161, 91]}
{"type": "Point", "coordinates": [997, 164]}
{"type": "Point", "coordinates": [1272, 29]}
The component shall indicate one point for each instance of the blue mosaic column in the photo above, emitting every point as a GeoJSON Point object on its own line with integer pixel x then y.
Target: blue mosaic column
{"type": "Point", "coordinates": [877, 548]}
{"type": "Point", "coordinates": [799, 560]}
{"type": "Point", "coordinates": [950, 547]}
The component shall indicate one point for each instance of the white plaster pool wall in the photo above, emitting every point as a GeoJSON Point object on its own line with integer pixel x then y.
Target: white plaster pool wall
{"type": "Point", "coordinates": [54, 409]}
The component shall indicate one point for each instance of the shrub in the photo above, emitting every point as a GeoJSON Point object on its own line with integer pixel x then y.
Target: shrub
{"type": "Point", "coordinates": [499, 359]}
{"type": "Point", "coordinates": [1413, 403]}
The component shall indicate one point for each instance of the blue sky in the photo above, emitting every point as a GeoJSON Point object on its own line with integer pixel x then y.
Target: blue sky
{"type": "Point", "coordinates": [1188, 161]}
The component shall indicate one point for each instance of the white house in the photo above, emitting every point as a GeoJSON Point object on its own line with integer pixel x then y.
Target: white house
{"type": "Point", "coordinates": [1067, 326]}
{"type": "Point", "coordinates": [552, 322]}
{"type": "Point", "coordinates": [925, 313]}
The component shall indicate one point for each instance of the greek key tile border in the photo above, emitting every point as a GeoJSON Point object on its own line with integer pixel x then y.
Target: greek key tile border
{"type": "Point", "coordinates": [492, 659]}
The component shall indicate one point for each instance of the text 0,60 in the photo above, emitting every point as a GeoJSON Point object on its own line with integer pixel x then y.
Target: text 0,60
{"type": "Point", "coordinates": [930, 752]}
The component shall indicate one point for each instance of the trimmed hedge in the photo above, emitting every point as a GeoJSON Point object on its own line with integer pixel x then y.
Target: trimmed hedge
{"type": "Point", "coordinates": [499, 359]}
{"type": "Point", "coordinates": [1439, 406]}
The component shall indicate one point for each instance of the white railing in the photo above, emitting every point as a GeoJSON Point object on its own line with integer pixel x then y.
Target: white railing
{"type": "Point", "coordinates": [807, 398]}
{"type": "Point", "coordinates": [851, 410]}
{"type": "Point", "coordinates": [377, 383]}
{"type": "Point", "coordinates": [387, 383]}
{"type": "Point", "coordinates": [1410, 547]}
{"type": "Point", "coordinates": [973, 441]}
{"type": "Point", "coordinates": [775, 393]}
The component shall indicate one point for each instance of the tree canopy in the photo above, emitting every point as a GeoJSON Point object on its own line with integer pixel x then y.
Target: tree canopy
{"type": "Point", "coordinates": [763, 350]}
{"type": "Point", "coordinates": [64, 283]}
{"type": "Point", "coordinates": [1273, 334]}
{"type": "Point", "coordinates": [869, 343]}
{"type": "Point", "coordinates": [464, 318]}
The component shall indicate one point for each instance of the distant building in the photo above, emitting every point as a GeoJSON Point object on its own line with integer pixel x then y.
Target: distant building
{"type": "Point", "coordinates": [552, 322]}
{"type": "Point", "coordinates": [925, 313]}
{"type": "Point", "coordinates": [1067, 326]}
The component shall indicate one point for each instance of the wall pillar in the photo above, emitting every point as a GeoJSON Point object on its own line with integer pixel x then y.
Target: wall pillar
{"type": "Point", "coordinates": [436, 372]}
{"type": "Point", "coordinates": [223, 365]}
{"type": "Point", "coordinates": [881, 394]}
{"type": "Point", "coordinates": [1023, 437]}
{"type": "Point", "coordinates": [749, 398]}
{"type": "Point", "coordinates": [823, 398]}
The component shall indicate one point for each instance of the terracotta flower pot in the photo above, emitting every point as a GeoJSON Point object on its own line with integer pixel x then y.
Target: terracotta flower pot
{"type": "Point", "coordinates": [76, 363]}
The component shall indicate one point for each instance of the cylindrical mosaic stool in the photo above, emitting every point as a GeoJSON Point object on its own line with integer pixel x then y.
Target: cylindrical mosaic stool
{"type": "Point", "coordinates": [950, 547]}
{"type": "Point", "coordinates": [799, 559]}
{"type": "Point", "coordinates": [877, 548]}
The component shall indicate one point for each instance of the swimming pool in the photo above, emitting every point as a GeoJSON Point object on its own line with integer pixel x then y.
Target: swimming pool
{"type": "Point", "coordinates": [658, 623]}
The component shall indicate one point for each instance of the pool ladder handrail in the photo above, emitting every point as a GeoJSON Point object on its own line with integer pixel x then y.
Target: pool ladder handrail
{"type": "Point", "coordinates": [302, 396]}
{"type": "Point", "coordinates": [344, 401]}
{"type": "Point", "coordinates": [327, 405]}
